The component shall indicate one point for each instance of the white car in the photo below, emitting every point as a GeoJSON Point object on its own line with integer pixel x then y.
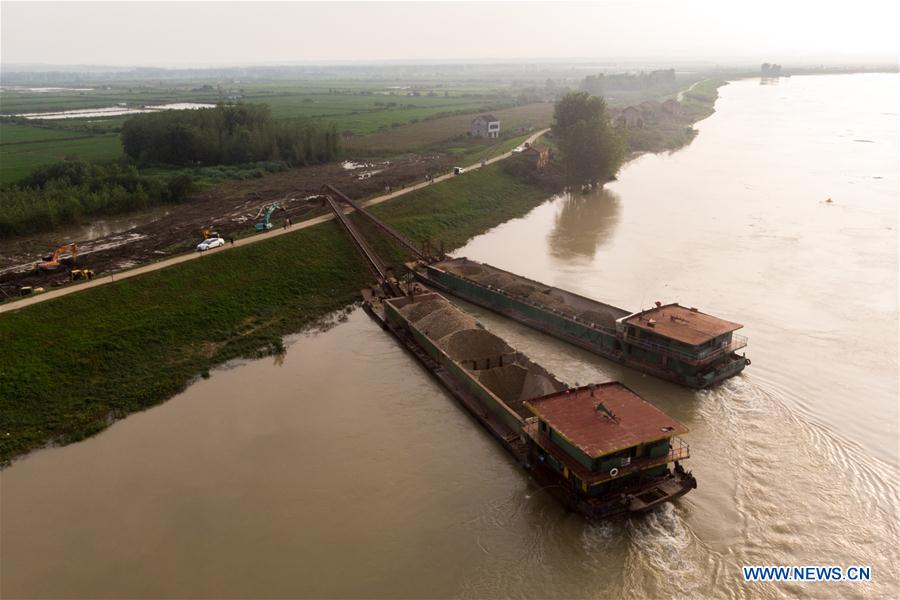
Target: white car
{"type": "Point", "coordinates": [210, 243]}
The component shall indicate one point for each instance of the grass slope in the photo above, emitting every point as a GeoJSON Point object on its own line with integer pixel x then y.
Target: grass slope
{"type": "Point", "coordinates": [71, 365]}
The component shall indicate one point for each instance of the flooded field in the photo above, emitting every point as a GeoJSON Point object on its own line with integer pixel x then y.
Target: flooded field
{"type": "Point", "coordinates": [342, 469]}
{"type": "Point", "coordinates": [111, 111]}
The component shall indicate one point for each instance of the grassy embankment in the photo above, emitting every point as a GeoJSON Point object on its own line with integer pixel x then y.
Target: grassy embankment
{"type": "Point", "coordinates": [69, 366]}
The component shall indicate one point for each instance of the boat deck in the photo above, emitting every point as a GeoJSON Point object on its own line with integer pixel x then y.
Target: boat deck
{"type": "Point", "coordinates": [575, 306]}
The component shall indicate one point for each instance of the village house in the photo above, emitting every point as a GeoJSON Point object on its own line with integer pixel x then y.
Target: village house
{"type": "Point", "coordinates": [537, 155]}
{"type": "Point", "coordinates": [671, 106]}
{"type": "Point", "coordinates": [485, 126]}
{"type": "Point", "coordinates": [629, 118]}
{"type": "Point", "coordinates": [650, 109]}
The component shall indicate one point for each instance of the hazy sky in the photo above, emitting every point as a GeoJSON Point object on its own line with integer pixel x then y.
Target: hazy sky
{"type": "Point", "coordinates": [183, 33]}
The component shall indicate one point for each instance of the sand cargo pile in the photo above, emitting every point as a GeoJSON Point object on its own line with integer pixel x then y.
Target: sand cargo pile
{"type": "Point", "coordinates": [498, 375]}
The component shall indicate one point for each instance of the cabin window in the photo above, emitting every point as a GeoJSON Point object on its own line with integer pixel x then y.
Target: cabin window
{"type": "Point", "coordinates": [543, 426]}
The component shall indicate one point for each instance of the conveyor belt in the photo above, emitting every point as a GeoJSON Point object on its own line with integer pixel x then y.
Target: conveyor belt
{"type": "Point", "coordinates": [332, 191]}
{"type": "Point", "coordinates": [372, 259]}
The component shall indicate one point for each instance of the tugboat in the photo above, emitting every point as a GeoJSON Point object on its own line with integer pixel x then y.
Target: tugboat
{"type": "Point", "coordinates": [605, 451]}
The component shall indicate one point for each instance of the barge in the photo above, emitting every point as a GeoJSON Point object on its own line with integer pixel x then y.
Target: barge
{"type": "Point", "coordinates": [600, 449]}
{"type": "Point", "coordinates": [673, 342]}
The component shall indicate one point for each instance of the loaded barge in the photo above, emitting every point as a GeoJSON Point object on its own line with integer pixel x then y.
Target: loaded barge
{"type": "Point", "coordinates": [602, 450]}
{"type": "Point", "coordinates": [673, 342]}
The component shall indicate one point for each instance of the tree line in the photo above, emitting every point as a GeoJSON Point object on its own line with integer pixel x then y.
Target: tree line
{"type": "Point", "coordinates": [66, 191]}
{"type": "Point", "coordinates": [599, 85]}
{"type": "Point", "coordinates": [227, 135]}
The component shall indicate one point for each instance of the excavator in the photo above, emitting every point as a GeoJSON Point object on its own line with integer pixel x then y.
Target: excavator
{"type": "Point", "coordinates": [207, 232]}
{"type": "Point", "coordinates": [266, 213]}
{"type": "Point", "coordinates": [52, 262]}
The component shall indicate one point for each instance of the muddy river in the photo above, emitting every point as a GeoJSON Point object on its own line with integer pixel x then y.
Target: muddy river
{"type": "Point", "coordinates": [342, 469]}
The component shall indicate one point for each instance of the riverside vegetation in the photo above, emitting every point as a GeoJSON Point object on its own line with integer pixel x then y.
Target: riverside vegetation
{"type": "Point", "coordinates": [246, 135]}
{"type": "Point", "coordinates": [108, 351]}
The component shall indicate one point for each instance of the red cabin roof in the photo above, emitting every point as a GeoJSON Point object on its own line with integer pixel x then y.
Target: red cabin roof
{"type": "Point", "coordinates": [580, 416]}
{"type": "Point", "coordinates": [686, 325]}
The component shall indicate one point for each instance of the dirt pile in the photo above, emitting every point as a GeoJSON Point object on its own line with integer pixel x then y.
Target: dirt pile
{"type": "Point", "coordinates": [514, 383]}
{"type": "Point", "coordinates": [599, 318]}
{"type": "Point", "coordinates": [474, 344]}
{"type": "Point", "coordinates": [520, 289]}
{"type": "Point", "coordinates": [455, 332]}
{"type": "Point", "coordinates": [445, 321]}
{"type": "Point", "coordinates": [506, 382]}
{"type": "Point", "coordinates": [417, 310]}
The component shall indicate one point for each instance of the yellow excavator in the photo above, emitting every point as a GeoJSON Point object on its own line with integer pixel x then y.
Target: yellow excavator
{"type": "Point", "coordinates": [52, 262]}
{"type": "Point", "coordinates": [206, 233]}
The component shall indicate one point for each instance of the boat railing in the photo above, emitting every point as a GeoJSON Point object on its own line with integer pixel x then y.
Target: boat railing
{"type": "Point", "coordinates": [736, 343]}
{"type": "Point", "coordinates": [678, 450]}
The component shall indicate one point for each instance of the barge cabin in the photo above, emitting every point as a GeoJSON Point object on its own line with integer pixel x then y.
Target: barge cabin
{"type": "Point", "coordinates": [607, 448]}
{"type": "Point", "coordinates": [600, 449]}
{"type": "Point", "coordinates": [672, 342]}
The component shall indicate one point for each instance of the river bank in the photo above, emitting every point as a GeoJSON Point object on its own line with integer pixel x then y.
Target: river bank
{"type": "Point", "coordinates": [73, 365]}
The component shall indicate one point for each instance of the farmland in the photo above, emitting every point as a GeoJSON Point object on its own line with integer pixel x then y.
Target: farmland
{"type": "Point", "coordinates": [371, 106]}
{"type": "Point", "coordinates": [429, 133]}
{"type": "Point", "coordinates": [355, 108]}
{"type": "Point", "coordinates": [17, 160]}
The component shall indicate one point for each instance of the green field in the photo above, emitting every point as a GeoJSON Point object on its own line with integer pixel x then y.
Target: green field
{"type": "Point", "coordinates": [18, 160]}
{"type": "Point", "coordinates": [68, 365]}
{"type": "Point", "coordinates": [12, 133]}
{"type": "Point", "coordinates": [362, 108]}
{"type": "Point", "coordinates": [428, 134]}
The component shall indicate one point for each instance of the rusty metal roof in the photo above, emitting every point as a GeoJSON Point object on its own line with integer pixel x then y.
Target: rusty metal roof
{"type": "Point", "coordinates": [686, 325]}
{"type": "Point", "coordinates": [536, 148]}
{"type": "Point", "coordinates": [579, 417]}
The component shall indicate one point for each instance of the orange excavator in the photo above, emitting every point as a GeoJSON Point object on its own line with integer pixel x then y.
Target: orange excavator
{"type": "Point", "coordinates": [52, 262]}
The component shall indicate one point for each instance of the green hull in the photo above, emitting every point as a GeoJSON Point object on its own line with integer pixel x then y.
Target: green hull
{"type": "Point", "coordinates": [599, 338]}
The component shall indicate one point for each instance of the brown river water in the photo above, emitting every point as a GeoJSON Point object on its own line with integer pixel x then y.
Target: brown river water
{"type": "Point", "coordinates": [341, 469]}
